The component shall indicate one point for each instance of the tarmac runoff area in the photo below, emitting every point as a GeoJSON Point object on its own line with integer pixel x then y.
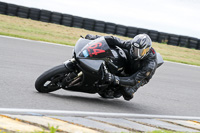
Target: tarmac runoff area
{"type": "Point", "coordinates": [92, 122]}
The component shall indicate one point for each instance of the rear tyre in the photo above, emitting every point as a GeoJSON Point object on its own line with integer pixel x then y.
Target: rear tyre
{"type": "Point", "coordinates": [51, 80]}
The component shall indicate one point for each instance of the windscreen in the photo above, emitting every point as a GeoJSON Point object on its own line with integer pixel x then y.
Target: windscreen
{"type": "Point", "coordinates": [97, 48]}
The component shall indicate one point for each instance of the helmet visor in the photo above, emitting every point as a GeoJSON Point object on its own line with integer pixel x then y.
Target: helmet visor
{"type": "Point", "coordinates": [140, 53]}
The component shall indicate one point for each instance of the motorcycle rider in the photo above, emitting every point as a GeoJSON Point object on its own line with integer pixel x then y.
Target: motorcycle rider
{"type": "Point", "coordinates": [141, 58]}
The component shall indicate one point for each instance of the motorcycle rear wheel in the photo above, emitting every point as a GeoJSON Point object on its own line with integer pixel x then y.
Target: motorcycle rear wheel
{"type": "Point", "coordinates": [51, 80]}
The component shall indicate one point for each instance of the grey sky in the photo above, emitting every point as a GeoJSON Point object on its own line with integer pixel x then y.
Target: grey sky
{"type": "Point", "coordinates": [172, 16]}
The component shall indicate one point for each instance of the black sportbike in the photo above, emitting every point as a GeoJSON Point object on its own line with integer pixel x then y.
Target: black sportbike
{"type": "Point", "coordinates": [85, 72]}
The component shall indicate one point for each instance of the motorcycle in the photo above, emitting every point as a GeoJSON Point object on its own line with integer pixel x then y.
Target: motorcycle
{"type": "Point", "coordinates": [85, 72]}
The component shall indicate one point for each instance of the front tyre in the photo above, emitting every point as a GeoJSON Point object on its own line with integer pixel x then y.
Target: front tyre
{"type": "Point", "coordinates": [51, 80]}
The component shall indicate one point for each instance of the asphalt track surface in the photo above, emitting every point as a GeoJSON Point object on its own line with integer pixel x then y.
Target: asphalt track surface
{"type": "Point", "coordinates": [174, 90]}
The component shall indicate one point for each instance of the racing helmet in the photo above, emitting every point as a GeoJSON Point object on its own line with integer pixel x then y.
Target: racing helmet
{"type": "Point", "coordinates": [140, 46]}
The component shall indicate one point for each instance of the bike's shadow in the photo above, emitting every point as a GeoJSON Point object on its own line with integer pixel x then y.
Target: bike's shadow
{"type": "Point", "coordinates": [95, 101]}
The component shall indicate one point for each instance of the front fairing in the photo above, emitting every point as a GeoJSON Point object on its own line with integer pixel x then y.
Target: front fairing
{"type": "Point", "coordinates": [95, 49]}
{"type": "Point", "coordinates": [90, 54]}
{"type": "Point", "coordinates": [79, 45]}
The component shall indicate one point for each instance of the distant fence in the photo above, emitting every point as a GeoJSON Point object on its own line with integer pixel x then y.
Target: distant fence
{"type": "Point", "coordinates": [96, 25]}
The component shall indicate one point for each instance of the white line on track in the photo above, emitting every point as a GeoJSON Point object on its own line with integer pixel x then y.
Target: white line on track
{"type": "Point", "coordinates": [36, 41]}
{"type": "Point", "coordinates": [73, 46]}
{"type": "Point", "coordinates": [182, 64]}
{"type": "Point", "coordinates": [83, 113]}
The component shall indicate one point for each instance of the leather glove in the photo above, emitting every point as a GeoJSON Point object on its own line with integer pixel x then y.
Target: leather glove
{"type": "Point", "coordinates": [91, 37]}
{"type": "Point", "coordinates": [88, 36]}
{"type": "Point", "coordinates": [111, 79]}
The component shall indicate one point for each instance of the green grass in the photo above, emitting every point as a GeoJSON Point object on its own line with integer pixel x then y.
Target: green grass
{"type": "Point", "coordinates": [165, 131]}
{"type": "Point", "coordinates": [35, 30]}
{"type": "Point", "coordinates": [52, 129]}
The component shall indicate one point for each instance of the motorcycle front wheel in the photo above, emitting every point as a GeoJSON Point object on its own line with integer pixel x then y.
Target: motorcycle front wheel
{"type": "Point", "coordinates": [51, 80]}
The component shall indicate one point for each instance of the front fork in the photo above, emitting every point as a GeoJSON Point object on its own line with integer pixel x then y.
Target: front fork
{"type": "Point", "coordinates": [74, 75]}
{"type": "Point", "coordinates": [70, 64]}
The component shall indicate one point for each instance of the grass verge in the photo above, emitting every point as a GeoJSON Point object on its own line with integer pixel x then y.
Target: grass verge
{"type": "Point", "coordinates": [36, 30]}
{"type": "Point", "coordinates": [54, 130]}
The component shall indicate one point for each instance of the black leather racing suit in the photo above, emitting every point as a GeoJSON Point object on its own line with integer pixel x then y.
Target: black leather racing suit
{"type": "Point", "coordinates": [138, 71]}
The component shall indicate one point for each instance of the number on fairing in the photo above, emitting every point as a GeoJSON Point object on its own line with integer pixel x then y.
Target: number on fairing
{"type": "Point", "coordinates": [95, 50]}
{"type": "Point", "coordinates": [98, 51]}
{"type": "Point", "coordinates": [95, 45]}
